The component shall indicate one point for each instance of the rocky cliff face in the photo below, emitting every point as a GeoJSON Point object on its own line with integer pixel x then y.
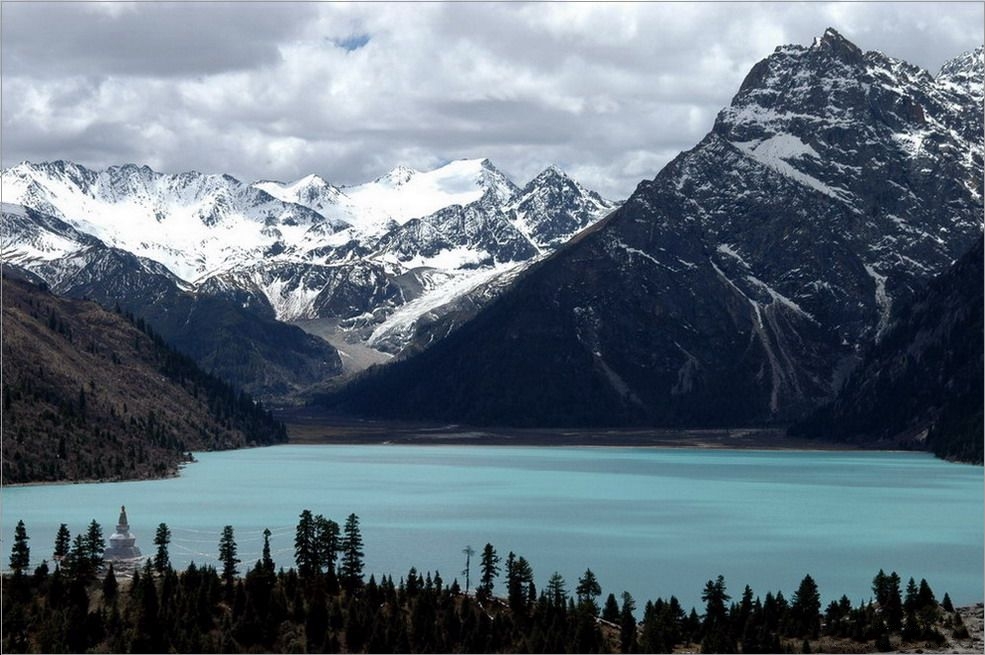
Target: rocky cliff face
{"type": "Point", "coordinates": [740, 284]}
{"type": "Point", "coordinates": [920, 386]}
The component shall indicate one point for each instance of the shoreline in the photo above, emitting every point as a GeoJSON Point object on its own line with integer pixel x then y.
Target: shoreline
{"type": "Point", "coordinates": [311, 428]}
{"type": "Point", "coordinates": [307, 428]}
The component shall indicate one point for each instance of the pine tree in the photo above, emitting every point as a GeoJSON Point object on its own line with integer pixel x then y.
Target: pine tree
{"type": "Point", "coordinates": [717, 637]}
{"type": "Point", "coordinates": [468, 551]}
{"type": "Point", "coordinates": [806, 609]}
{"type": "Point", "coordinates": [162, 562]}
{"type": "Point", "coordinates": [925, 595]}
{"type": "Point", "coordinates": [588, 590]}
{"type": "Point", "coordinates": [627, 624]}
{"type": "Point", "coordinates": [78, 563]}
{"type": "Point", "coordinates": [266, 563]}
{"type": "Point", "coordinates": [557, 595]}
{"type": "Point", "coordinates": [304, 544]}
{"type": "Point", "coordinates": [63, 541]}
{"type": "Point", "coordinates": [227, 555]}
{"type": "Point", "coordinates": [352, 554]}
{"type": "Point", "coordinates": [95, 546]}
{"type": "Point", "coordinates": [893, 605]}
{"type": "Point", "coordinates": [110, 586]}
{"type": "Point", "coordinates": [489, 569]}
{"type": "Point", "coordinates": [519, 579]}
{"type": "Point", "coordinates": [610, 609]}
{"type": "Point", "coordinates": [325, 543]}
{"type": "Point", "coordinates": [20, 552]}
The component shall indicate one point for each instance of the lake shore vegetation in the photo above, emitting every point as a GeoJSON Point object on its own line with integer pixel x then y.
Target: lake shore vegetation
{"type": "Point", "coordinates": [325, 603]}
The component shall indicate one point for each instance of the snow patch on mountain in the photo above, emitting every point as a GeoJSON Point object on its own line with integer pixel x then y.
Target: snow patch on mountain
{"type": "Point", "coordinates": [400, 324]}
{"type": "Point", "coordinates": [404, 193]}
{"type": "Point", "coordinates": [883, 301]}
{"type": "Point", "coordinates": [776, 153]}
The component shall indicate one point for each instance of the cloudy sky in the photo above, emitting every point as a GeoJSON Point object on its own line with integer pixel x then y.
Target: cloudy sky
{"type": "Point", "coordinates": [610, 91]}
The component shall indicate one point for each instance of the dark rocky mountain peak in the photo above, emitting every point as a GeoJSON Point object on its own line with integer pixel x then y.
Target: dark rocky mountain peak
{"type": "Point", "coordinates": [737, 286]}
{"type": "Point", "coordinates": [967, 68]}
{"type": "Point", "coordinates": [840, 47]}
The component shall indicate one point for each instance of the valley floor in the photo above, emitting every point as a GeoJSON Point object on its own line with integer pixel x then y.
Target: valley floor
{"type": "Point", "coordinates": [311, 426]}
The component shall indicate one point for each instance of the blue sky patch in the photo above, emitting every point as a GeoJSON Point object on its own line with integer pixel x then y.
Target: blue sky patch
{"type": "Point", "coordinates": [352, 42]}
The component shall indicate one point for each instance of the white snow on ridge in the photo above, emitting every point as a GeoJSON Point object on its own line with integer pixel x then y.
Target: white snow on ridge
{"type": "Point", "coordinates": [726, 249]}
{"type": "Point", "coordinates": [639, 253]}
{"type": "Point", "coordinates": [447, 259]}
{"type": "Point", "coordinates": [190, 225]}
{"type": "Point", "coordinates": [403, 319]}
{"type": "Point", "coordinates": [252, 237]}
{"type": "Point", "coordinates": [404, 194]}
{"type": "Point", "coordinates": [775, 152]}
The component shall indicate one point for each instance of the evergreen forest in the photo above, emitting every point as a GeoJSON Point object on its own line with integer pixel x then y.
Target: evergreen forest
{"type": "Point", "coordinates": [326, 603]}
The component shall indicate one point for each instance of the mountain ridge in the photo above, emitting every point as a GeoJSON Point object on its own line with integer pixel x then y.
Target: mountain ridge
{"type": "Point", "coordinates": [92, 394]}
{"type": "Point", "coordinates": [739, 285]}
{"type": "Point", "coordinates": [308, 250]}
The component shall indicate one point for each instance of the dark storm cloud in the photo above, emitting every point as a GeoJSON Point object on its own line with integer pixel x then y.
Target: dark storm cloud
{"type": "Point", "coordinates": [148, 38]}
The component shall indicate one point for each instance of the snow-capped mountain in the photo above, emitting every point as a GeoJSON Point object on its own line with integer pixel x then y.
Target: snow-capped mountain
{"type": "Point", "coordinates": [739, 285]}
{"type": "Point", "coordinates": [552, 207]}
{"type": "Point", "coordinates": [304, 250]}
{"type": "Point", "coordinates": [242, 344]}
{"type": "Point", "coordinates": [191, 223]}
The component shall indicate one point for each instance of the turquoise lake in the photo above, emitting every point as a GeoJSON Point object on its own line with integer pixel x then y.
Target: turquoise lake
{"type": "Point", "coordinates": [653, 522]}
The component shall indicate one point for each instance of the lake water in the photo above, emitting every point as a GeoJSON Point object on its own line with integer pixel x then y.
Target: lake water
{"type": "Point", "coordinates": [653, 522]}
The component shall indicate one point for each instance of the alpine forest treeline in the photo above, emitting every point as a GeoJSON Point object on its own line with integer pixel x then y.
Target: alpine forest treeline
{"type": "Point", "coordinates": [326, 604]}
{"type": "Point", "coordinates": [91, 394]}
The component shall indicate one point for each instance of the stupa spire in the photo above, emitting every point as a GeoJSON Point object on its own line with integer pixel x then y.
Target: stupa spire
{"type": "Point", "coordinates": [122, 542]}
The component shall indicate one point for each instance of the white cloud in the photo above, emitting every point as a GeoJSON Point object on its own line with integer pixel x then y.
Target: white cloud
{"type": "Point", "coordinates": [609, 91]}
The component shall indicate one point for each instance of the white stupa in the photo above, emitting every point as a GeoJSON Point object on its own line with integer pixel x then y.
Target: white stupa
{"type": "Point", "coordinates": [121, 543]}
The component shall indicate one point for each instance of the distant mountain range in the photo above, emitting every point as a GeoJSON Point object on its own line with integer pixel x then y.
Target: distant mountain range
{"type": "Point", "coordinates": [811, 233]}
{"type": "Point", "coordinates": [209, 260]}
{"type": "Point", "coordinates": [92, 394]}
{"type": "Point", "coordinates": [743, 283]}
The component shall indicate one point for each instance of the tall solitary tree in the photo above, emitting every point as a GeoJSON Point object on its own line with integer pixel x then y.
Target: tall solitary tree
{"type": "Point", "coordinates": [78, 562]}
{"type": "Point", "coordinates": [352, 554]}
{"type": "Point", "coordinates": [267, 564]}
{"type": "Point", "coordinates": [95, 545]}
{"type": "Point", "coordinates": [718, 638]}
{"type": "Point", "coordinates": [468, 552]}
{"type": "Point", "coordinates": [489, 569]}
{"type": "Point", "coordinates": [63, 541]}
{"type": "Point", "coordinates": [227, 555]}
{"type": "Point", "coordinates": [325, 543]}
{"type": "Point", "coordinates": [162, 562]}
{"type": "Point", "coordinates": [805, 609]}
{"type": "Point", "coordinates": [627, 624]}
{"type": "Point", "coordinates": [304, 544]}
{"type": "Point", "coordinates": [557, 594]}
{"type": "Point", "coordinates": [588, 590]}
{"type": "Point", "coordinates": [519, 578]}
{"type": "Point", "coordinates": [20, 552]}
